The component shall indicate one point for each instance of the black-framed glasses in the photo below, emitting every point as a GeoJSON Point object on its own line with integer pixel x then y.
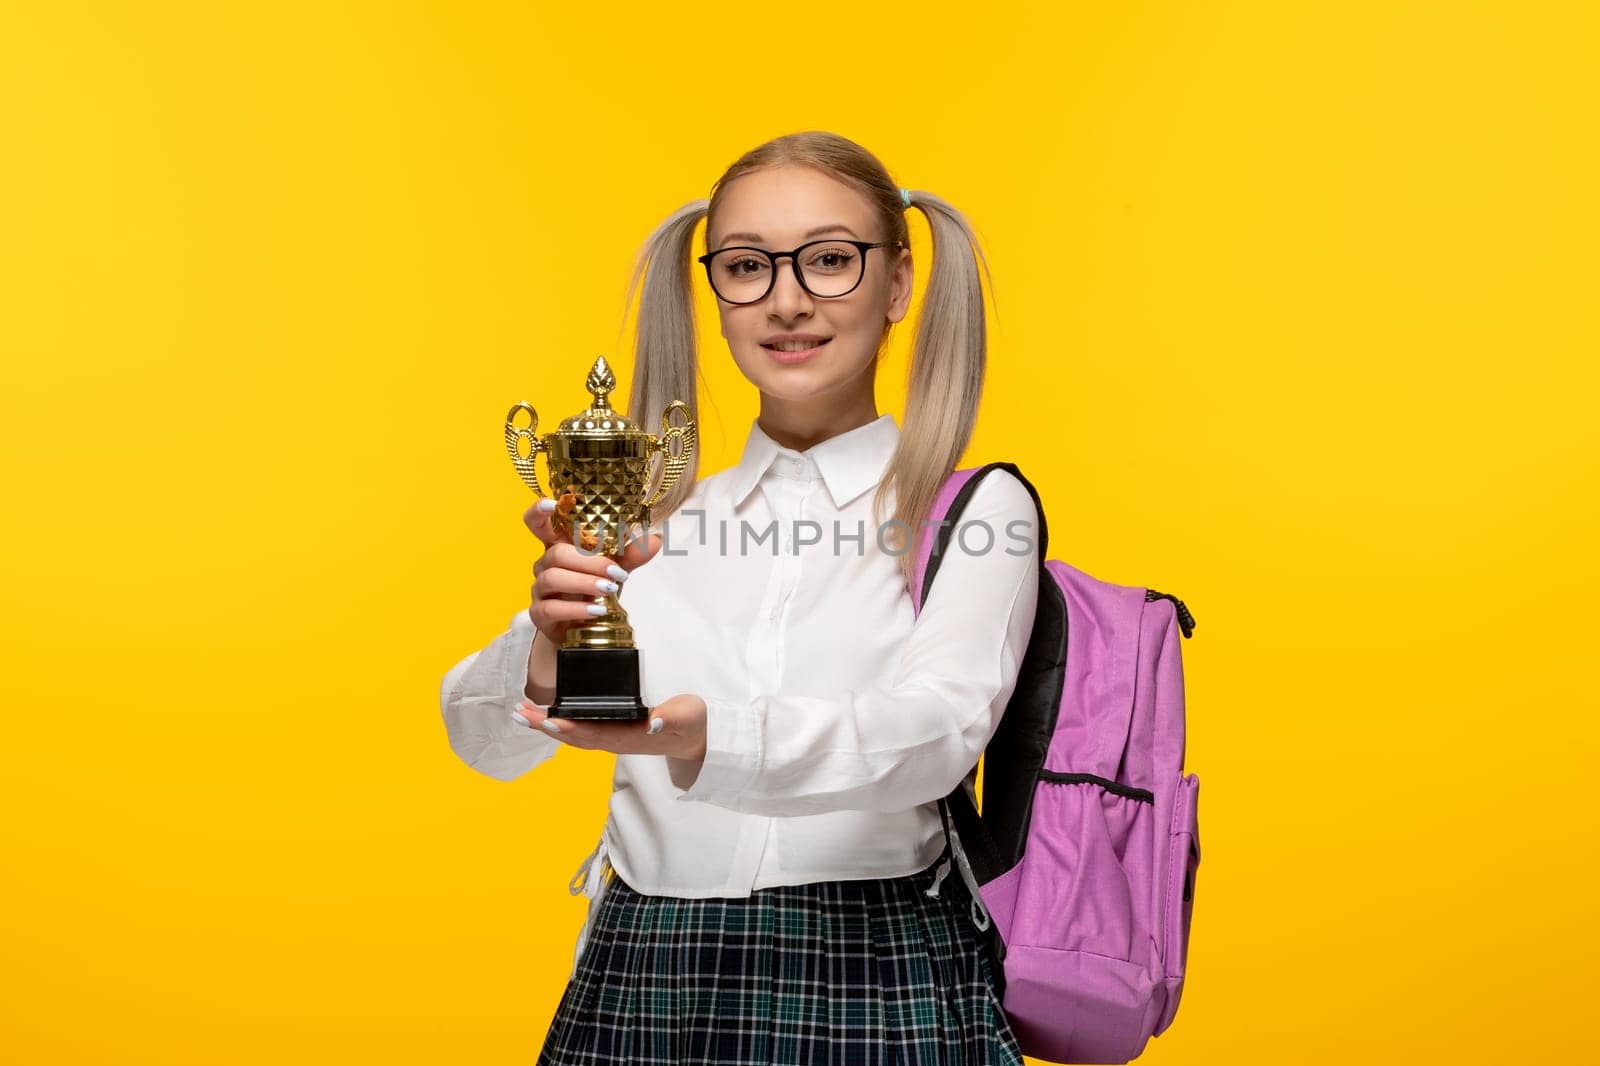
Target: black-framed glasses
{"type": "Point", "coordinates": [826, 269]}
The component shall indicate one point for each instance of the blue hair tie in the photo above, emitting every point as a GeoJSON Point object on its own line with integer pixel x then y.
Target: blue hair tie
{"type": "Point", "coordinates": [905, 195]}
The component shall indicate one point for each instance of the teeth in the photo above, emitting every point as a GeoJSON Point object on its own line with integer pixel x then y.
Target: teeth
{"type": "Point", "coordinates": [794, 346]}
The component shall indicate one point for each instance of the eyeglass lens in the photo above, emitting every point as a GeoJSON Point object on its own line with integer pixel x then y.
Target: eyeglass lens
{"type": "Point", "coordinates": [743, 275]}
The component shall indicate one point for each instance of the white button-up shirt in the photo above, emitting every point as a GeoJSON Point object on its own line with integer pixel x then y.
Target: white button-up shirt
{"type": "Point", "coordinates": [836, 719]}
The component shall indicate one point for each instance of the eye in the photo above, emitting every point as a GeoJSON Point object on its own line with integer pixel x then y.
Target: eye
{"type": "Point", "coordinates": [744, 266]}
{"type": "Point", "coordinates": [831, 260]}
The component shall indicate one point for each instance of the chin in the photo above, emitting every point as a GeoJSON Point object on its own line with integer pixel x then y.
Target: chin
{"type": "Point", "coordinates": [795, 386]}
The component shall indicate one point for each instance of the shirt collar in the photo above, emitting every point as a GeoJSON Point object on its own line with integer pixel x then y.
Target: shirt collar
{"type": "Point", "coordinates": [850, 463]}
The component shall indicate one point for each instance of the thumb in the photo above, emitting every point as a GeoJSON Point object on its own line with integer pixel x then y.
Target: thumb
{"type": "Point", "coordinates": [638, 550]}
{"type": "Point", "coordinates": [542, 522]}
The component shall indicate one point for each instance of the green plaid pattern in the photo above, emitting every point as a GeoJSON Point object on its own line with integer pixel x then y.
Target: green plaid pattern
{"type": "Point", "coordinates": [843, 973]}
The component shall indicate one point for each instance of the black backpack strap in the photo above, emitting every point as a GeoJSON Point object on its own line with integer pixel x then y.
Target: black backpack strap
{"type": "Point", "coordinates": [960, 808]}
{"type": "Point", "coordinates": [952, 519]}
{"type": "Point", "coordinates": [988, 932]}
{"type": "Point", "coordinates": [975, 837]}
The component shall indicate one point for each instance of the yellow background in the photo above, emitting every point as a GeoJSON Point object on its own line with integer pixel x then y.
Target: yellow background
{"type": "Point", "coordinates": [1297, 321]}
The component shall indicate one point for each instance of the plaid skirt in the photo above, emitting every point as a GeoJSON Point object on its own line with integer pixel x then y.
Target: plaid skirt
{"type": "Point", "coordinates": [868, 972]}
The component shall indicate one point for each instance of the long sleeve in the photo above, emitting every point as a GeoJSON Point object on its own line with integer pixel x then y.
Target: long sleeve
{"type": "Point", "coordinates": [477, 698]}
{"type": "Point", "coordinates": [908, 742]}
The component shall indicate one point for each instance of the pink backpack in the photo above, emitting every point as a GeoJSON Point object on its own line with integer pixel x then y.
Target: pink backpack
{"type": "Point", "coordinates": [1082, 863]}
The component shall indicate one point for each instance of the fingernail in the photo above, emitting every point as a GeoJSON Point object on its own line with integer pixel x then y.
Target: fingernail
{"type": "Point", "coordinates": [617, 572]}
{"type": "Point", "coordinates": [605, 586]}
{"type": "Point", "coordinates": [598, 609]}
{"type": "Point", "coordinates": [551, 727]}
{"type": "Point", "coordinates": [517, 719]}
{"type": "Point", "coordinates": [546, 504]}
{"type": "Point", "coordinates": [656, 726]}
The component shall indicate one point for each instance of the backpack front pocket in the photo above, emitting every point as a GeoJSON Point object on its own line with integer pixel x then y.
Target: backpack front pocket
{"type": "Point", "coordinates": [1088, 896]}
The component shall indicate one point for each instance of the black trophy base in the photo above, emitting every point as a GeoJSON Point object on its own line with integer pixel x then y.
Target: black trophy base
{"type": "Point", "coordinates": [598, 683]}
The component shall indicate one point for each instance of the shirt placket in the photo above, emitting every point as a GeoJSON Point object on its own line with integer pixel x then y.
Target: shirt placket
{"type": "Point", "coordinates": [787, 499]}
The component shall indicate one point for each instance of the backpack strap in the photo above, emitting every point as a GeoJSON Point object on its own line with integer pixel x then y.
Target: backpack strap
{"type": "Point", "coordinates": [972, 846]}
{"type": "Point", "coordinates": [945, 515]}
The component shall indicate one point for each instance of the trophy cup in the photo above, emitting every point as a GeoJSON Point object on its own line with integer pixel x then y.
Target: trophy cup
{"type": "Point", "coordinates": [599, 463]}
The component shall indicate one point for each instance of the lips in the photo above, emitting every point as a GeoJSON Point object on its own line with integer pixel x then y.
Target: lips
{"type": "Point", "coordinates": [791, 351]}
{"type": "Point", "coordinates": [800, 358]}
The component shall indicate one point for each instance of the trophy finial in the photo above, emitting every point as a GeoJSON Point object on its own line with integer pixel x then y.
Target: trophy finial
{"type": "Point", "coordinates": [600, 383]}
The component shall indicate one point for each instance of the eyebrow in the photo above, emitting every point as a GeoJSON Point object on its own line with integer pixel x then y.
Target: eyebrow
{"type": "Point", "coordinates": [819, 231]}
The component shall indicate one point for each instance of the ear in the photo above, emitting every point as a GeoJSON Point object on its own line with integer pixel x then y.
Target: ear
{"type": "Point", "coordinates": [900, 286]}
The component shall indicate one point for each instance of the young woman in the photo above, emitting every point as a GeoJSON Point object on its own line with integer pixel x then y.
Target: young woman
{"type": "Point", "coordinates": [779, 889]}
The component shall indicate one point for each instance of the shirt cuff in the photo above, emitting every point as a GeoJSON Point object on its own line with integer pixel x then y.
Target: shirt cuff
{"type": "Point", "coordinates": [519, 648]}
{"type": "Point", "coordinates": [477, 697]}
{"type": "Point", "coordinates": [735, 747]}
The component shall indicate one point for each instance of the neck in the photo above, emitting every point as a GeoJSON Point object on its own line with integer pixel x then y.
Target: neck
{"type": "Point", "coordinates": [799, 424]}
{"type": "Point", "coordinates": [794, 426]}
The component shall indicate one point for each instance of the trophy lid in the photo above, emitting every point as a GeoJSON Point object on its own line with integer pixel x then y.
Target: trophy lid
{"type": "Point", "coordinates": [600, 420]}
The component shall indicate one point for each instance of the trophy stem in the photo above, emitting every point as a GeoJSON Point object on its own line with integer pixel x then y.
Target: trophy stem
{"type": "Point", "coordinates": [610, 630]}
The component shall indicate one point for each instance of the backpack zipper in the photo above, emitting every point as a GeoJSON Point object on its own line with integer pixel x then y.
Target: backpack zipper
{"type": "Point", "coordinates": [1143, 795]}
{"type": "Point", "coordinates": [1185, 619]}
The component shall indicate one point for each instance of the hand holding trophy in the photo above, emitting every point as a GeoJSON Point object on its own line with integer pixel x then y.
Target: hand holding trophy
{"type": "Point", "coordinates": [599, 464]}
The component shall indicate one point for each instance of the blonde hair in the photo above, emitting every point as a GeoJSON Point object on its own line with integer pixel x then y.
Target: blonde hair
{"type": "Point", "coordinates": [945, 378]}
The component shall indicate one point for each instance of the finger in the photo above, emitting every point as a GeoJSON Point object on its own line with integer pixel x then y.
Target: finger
{"type": "Point", "coordinates": [568, 556]}
{"type": "Point", "coordinates": [538, 718]}
{"type": "Point", "coordinates": [534, 595]}
{"type": "Point", "coordinates": [558, 580]}
{"type": "Point", "coordinates": [622, 738]}
{"type": "Point", "coordinates": [638, 550]}
{"type": "Point", "coordinates": [682, 716]}
{"type": "Point", "coordinates": [540, 519]}
{"type": "Point", "coordinates": [576, 733]}
{"type": "Point", "coordinates": [550, 609]}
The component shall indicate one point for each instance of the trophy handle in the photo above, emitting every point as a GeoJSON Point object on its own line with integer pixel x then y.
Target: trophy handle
{"type": "Point", "coordinates": [514, 433]}
{"type": "Point", "coordinates": [672, 466]}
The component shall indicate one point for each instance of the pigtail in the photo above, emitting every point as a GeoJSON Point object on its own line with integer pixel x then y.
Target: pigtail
{"type": "Point", "coordinates": [665, 360]}
{"type": "Point", "coordinates": [945, 379]}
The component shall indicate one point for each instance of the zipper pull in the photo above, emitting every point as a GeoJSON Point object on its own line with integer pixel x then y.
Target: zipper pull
{"type": "Point", "coordinates": [1185, 619]}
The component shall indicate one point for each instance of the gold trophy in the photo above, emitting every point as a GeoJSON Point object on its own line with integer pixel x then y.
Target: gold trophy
{"type": "Point", "coordinates": [599, 463]}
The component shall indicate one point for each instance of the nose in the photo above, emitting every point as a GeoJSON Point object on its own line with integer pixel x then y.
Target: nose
{"type": "Point", "coordinates": [787, 297]}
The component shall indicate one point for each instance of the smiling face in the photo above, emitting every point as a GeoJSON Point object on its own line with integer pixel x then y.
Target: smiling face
{"type": "Point", "coordinates": [780, 208]}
